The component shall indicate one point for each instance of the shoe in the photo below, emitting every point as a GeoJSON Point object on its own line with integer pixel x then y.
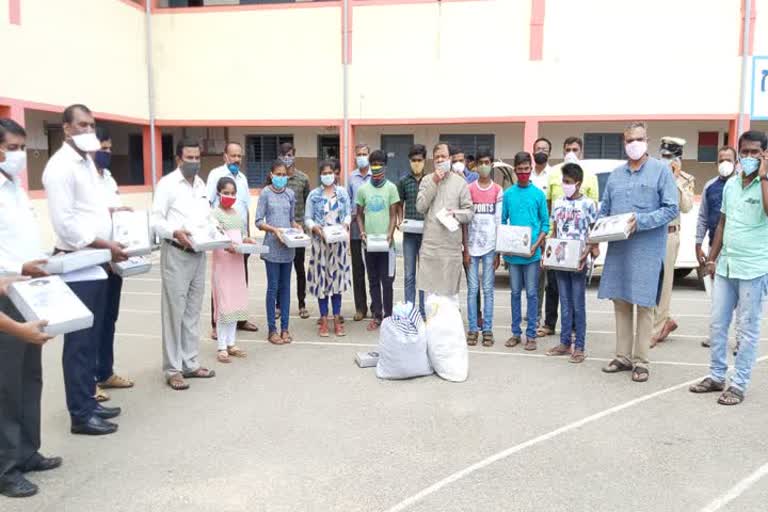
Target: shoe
{"type": "Point", "coordinates": [338, 326]}
{"type": "Point", "coordinates": [39, 463]}
{"type": "Point", "coordinates": [94, 426]}
{"type": "Point", "coordinates": [14, 485]}
{"type": "Point", "coordinates": [706, 343]}
{"type": "Point", "coordinates": [107, 413]}
{"type": "Point", "coordinates": [248, 326]}
{"type": "Point", "coordinates": [359, 316]}
{"type": "Point", "coordinates": [303, 313]}
{"type": "Point", "coordinates": [322, 331]}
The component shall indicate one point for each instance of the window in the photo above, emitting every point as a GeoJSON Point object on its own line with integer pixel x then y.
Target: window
{"type": "Point", "coordinates": [707, 147]}
{"type": "Point", "coordinates": [470, 143]}
{"type": "Point", "coordinates": [260, 152]}
{"type": "Point", "coordinates": [604, 145]}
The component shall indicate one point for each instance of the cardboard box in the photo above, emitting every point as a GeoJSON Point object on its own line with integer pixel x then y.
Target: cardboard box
{"type": "Point", "coordinates": [412, 226]}
{"type": "Point", "coordinates": [132, 230]}
{"type": "Point", "coordinates": [49, 298]}
{"type": "Point", "coordinates": [563, 254]}
{"type": "Point", "coordinates": [335, 234]}
{"type": "Point", "coordinates": [208, 236]}
{"type": "Point", "coordinates": [133, 266]}
{"type": "Point", "coordinates": [377, 243]}
{"type": "Point", "coordinates": [251, 249]}
{"type": "Point", "coordinates": [611, 229]}
{"type": "Point", "coordinates": [514, 240]}
{"type": "Point", "coordinates": [295, 238]}
{"type": "Point", "coordinates": [367, 359]}
{"type": "Point", "coordinates": [63, 263]}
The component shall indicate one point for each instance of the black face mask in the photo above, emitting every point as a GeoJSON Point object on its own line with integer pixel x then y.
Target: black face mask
{"type": "Point", "coordinates": [540, 158]}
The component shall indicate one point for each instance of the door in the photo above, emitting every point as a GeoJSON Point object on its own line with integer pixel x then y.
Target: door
{"type": "Point", "coordinates": [396, 148]}
{"type": "Point", "coordinates": [169, 154]}
{"type": "Point", "coordinates": [135, 160]}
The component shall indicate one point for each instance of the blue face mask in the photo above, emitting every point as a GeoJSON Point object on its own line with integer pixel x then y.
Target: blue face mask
{"type": "Point", "coordinates": [362, 162]}
{"type": "Point", "coordinates": [749, 165]}
{"type": "Point", "coordinates": [279, 181]}
{"type": "Point", "coordinates": [233, 168]}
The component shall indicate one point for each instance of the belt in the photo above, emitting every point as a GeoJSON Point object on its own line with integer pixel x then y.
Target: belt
{"type": "Point", "coordinates": [673, 229]}
{"type": "Point", "coordinates": [180, 247]}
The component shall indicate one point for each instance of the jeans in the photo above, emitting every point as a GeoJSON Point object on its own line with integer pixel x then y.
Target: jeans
{"type": "Point", "coordinates": [380, 282]}
{"type": "Point", "coordinates": [411, 248]}
{"type": "Point", "coordinates": [358, 275]}
{"type": "Point", "coordinates": [278, 284]}
{"type": "Point", "coordinates": [335, 304]}
{"type": "Point", "coordinates": [301, 281]}
{"type": "Point", "coordinates": [726, 294]}
{"type": "Point", "coordinates": [106, 352]}
{"type": "Point", "coordinates": [572, 288]}
{"type": "Point", "coordinates": [524, 276]}
{"type": "Point", "coordinates": [489, 275]}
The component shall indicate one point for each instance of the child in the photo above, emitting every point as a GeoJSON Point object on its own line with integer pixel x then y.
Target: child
{"type": "Point", "coordinates": [329, 273]}
{"type": "Point", "coordinates": [486, 200]}
{"type": "Point", "coordinates": [525, 205]}
{"type": "Point", "coordinates": [377, 208]}
{"type": "Point", "coordinates": [229, 290]}
{"type": "Point", "coordinates": [275, 210]}
{"type": "Point", "coordinates": [573, 215]}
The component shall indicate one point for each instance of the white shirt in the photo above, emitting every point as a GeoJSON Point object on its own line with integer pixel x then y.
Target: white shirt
{"type": "Point", "coordinates": [243, 202]}
{"type": "Point", "coordinates": [541, 181]}
{"type": "Point", "coordinates": [109, 187]}
{"type": "Point", "coordinates": [19, 231]}
{"type": "Point", "coordinates": [178, 205]}
{"type": "Point", "coordinates": [77, 208]}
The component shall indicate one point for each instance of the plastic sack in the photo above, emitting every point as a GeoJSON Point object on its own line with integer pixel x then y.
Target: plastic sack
{"type": "Point", "coordinates": [403, 345]}
{"type": "Point", "coordinates": [446, 342]}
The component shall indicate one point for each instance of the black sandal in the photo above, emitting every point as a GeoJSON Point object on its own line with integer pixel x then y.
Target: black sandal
{"type": "Point", "coordinates": [488, 339]}
{"type": "Point", "coordinates": [472, 339]}
{"type": "Point", "coordinates": [731, 396]}
{"type": "Point", "coordinates": [616, 366]}
{"type": "Point", "coordinates": [200, 373]}
{"type": "Point", "coordinates": [640, 374]}
{"type": "Point", "coordinates": [708, 385]}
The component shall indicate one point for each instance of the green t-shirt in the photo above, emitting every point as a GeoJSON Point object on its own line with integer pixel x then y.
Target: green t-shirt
{"type": "Point", "coordinates": [376, 202]}
{"type": "Point", "coordinates": [746, 230]}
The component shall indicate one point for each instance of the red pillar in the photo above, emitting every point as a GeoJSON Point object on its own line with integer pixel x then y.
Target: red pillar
{"type": "Point", "coordinates": [15, 111]}
{"type": "Point", "coordinates": [147, 153]}
{"type": "Point", "coordinates": [530, 134]}
{"type": "Point", "coordinates": [733, 129]}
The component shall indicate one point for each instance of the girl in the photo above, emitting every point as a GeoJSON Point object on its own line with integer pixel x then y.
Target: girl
{"type": "Point", "coordinates": [230, 292]}
{"type": "Point", "coordinates": [329, 268]}
{"type": "Point", "coordinates": [275, 210]}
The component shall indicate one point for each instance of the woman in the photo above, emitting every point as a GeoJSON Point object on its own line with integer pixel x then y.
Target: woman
{"type": "Point", "coordinates": [329, 273]}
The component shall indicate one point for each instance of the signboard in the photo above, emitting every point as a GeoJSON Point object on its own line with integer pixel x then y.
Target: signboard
{"type": "Point", "coordinates": [759, 110]}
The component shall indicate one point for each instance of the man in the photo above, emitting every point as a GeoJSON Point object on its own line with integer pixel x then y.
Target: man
{"type": "Point", "coordinates": [547, 287]}
{"type": "Point", "coordinates": [21, 379]}
{"type": "Point", "coordinates": [709, 208]}
{"type": "Point", "coordinates": [408, 190]}
{"type": "Point", "coordinates": [542, 148]}
{"type": "Point", "coordinates": [573, 152]}
{"type": "Point", "coordinates": [80, 217]}
{"type": "Point", "coordinates": [106, 377]}
{"type": "Point", "coordinates": [232, 168]}
{"type": "Point", "coordinates": [441, 257]}
{"type": "Point", "coordinates": [299, 183]}
{"type": "Point", "coordinates": [738, 261]}
{"type": "Point", "coordinates": [459, 165]}
{"type": "Point", "coordinates": [672, 153]}
{"type": "Point", "coordinates": [633, 267]}
{"type": "Point", "coordinates": [181, 201]}
{"type": "Point", "coordinates": [359, 177]}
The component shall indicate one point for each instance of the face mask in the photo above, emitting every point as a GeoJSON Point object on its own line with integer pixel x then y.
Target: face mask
{"type": "Point", "coordinates": [102, 159]}
{"type": "Point", "coordinates": [327, 179]}
{"type": "Point", "coordinates": [227, 201]}
{"type": "Point", "coordinates": [14, 162]}
{"type": "Point", "coordinates": [725, 168]}
{"type": "Point", "coordinates": [287, 160]}
{"type": "Point", "coordinates": [571, 158]}
{"type": "Point", "coordinates": [189, 169]}
{"type": "Point", "coordinates": [749, 165]}
{"type": "Point", "coordinates": [233, 168]}
{"type": "Point", "coordinates": [362, 162]}
{"type": "Point", "coordinates": [443, 166]}
{"type": "Point", "coordinates": [279, 181]}
{"type": "Point", "coordinates": [417, 167]}
{"type": "Point", "coordinates": [540, 158]}
{"type": "Point", "coordinates": [636, 149]}
{"type": "Point", "coordinates": [523, 178]}
{"type": "Point", "coordinates": [569, 189]}
{"type": "Point", "coordinates": [484, 170]}
{"type": "Point", "coordinates": [458, 167]}
{"type": "Point", "coordinates": [87, 142]}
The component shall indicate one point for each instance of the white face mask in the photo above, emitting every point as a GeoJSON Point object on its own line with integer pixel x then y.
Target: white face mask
{"type": "Point", "coordinates": [636, 149]}
{"type": "Point", "coordinates": [458, 167]}
{"type": "Point", "coordinates": [569, 189]}
{"type": "Point", "coordinates": [725, 168]}
{"type": "Point", "coordinates": [571, 158]}
{"type": "Point", "coordinates": [14, 162]}
{"type": "Point", "coordinates": [87, 142]}
{"type": "Point", "coordinates": [327, 179]}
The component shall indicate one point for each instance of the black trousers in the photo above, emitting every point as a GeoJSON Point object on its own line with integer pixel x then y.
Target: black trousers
{"type": "Point", "coordinates": [380, 282]}
{"type": "Point", "coordinates": [213, 315]}
{"type": "Point", "coordinates": [552, 300]}
{"type": "Point", "coordinates": [106, 354]}
{"type": "Point", "coordinates": [301, 279]}
{"type": "Point", "coordinates": [21, 384]}
{"type": "Point", "coordinates": [358, 276]}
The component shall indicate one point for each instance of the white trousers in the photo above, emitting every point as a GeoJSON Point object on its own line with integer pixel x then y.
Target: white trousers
{"type": "Point", "coordinates": [226, 333]}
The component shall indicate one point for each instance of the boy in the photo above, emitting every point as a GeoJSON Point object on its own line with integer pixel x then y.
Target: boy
{"type": "Point", "coordinates": [525, 205]}
{"type": "Point", "coordinates": [377, 207]}
{"type": "Point", "coordinates": [573, 215]}
{"type": "Point", "coordinates": [408, 189]}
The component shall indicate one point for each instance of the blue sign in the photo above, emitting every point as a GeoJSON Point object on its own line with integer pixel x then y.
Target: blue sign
{"type": "Point", "coordinates": [759, 110]}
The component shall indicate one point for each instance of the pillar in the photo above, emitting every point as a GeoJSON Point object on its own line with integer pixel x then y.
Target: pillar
{"type": "Point", "coordinates": [15, 111]}
{"type": "Point", "coordinates": [530, 134]}
{"type": "Point", "coordinates": [146, 140]}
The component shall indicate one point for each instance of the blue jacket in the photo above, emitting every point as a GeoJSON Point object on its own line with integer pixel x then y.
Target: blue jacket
{"type": "Point", "coordinates": [314, 213]}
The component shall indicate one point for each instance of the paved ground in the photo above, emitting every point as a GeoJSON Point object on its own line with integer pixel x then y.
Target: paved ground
{"type": "Point", "coordinates": [300, 427]}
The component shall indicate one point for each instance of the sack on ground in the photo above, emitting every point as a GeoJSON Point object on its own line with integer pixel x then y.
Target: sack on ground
{"type": "Point", "coordinates": [446, 342]}
{"type": "Point", "coordinates": [403, 345]}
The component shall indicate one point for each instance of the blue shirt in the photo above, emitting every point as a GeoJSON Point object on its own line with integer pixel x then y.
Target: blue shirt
{"type": "Point", "coordinates": [525, 206]}
{"type": "Point", "coordinates": [356, 180]}
{"type": "Point", "coordinates": [470, 176]}
{"type": "Point", "coordinates": [277, 209]}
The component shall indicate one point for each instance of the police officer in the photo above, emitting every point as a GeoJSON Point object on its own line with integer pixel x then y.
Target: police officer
{"type": "Point", "coordinates": [672, 151]}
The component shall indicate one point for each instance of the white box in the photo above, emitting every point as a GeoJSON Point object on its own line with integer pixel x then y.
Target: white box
{"type": "Point", "coordinates": [412, 226]}
{"type": "Point", "coordinates": [132, 230]}
{"type": "Point", "coordinates": [611, 229]}
{"type": "Point", "coordinates": [63, 263]}
{"type": "Point", "coordinates": [514, 240]}
{"type": "Point", "coordinates": [208, 236]}
{"type": "Point", "coordinates": [295, 238]}
{"type": "Point", "coordinates": [367, 359]}
{"type": "Point", "coordinates": [335, 234]}
{"type": "Point", "coordinates": [133, 266]}
{"type": "Point", "coordinates": [448, 220]}
{"type": "Point", "coordinates": [377, 243]}
{"type": "Point", "coordinates": [49, 298]}
{"type": "Point", "coordinates": [563, 254]}
{"type": "Point", "coordinates": [251, 249]}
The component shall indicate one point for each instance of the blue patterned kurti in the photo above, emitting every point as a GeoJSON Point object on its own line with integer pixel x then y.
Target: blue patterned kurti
{"type": "Point", "coordinates": [329, 271]}
{"type": "Point", "coordinates": [633, 267]}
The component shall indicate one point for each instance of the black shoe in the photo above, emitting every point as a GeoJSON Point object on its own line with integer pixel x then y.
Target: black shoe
{"type": "Point", "coordinates": [106, 412]}
{"type": "Point", "coordinates": [95, 426]}
{"type": "Point", "coordinates": [39, 463]}
{"type": "Point", "coordinates": [14, 485]}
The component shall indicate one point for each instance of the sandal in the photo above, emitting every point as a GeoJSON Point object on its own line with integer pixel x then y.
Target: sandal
{"type": "Point", "coordinates": [543, 331]}
{"type": "Point", "coordinates": [373, 325]}
{"type": "Point", "coordinates": [577, 357]}
{"type": "Point", "coordinates": [708, 385]}
{"type": "Point", "coordinates": [472, 339]}
{"type": "Point", "coordinates": [488, 340]}
{"type": "Point", "coordinates": [731, 396]}
{"type": "Point", "coordinates": [286, 337]}
{"type": "Point", "coordinates": [530, 345]}
{"type": "Point", "coordinates": [559, 350]}
{"type": "Point", "coordinates": [101, 395]}
{"type": "Point", "coordinates": [303, 313]}
{"type": "Point", "coordinates": [617, 365]}
{"type": "Point", "coordinates": [200, 373]}
{"type": "Point", "coordinates": [236, 351]}
{"type": "Point", "coordinates": [116, 382]}
{"type": "Point", "coordinates": [275, 338]}
{"type": "Point", "coordinates": [177, 382]}
{"type": "Point", "coordinates": [513, 341]}
{"type": "Point", "coordinates": [223, 357]}
{"type": "Point", "coordinates": [640, 374]}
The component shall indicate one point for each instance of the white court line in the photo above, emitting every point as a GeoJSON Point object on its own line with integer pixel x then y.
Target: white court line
{"type": "Point", "coordinates": [428, 491]}
{"type": "Point", "coordinates": [737, 490]}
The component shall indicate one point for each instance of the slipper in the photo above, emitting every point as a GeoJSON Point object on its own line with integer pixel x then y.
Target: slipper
{"type": "Point", "coordinates": [200, 373]}
{"type": "Point", "coordinates": [177, 382]}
